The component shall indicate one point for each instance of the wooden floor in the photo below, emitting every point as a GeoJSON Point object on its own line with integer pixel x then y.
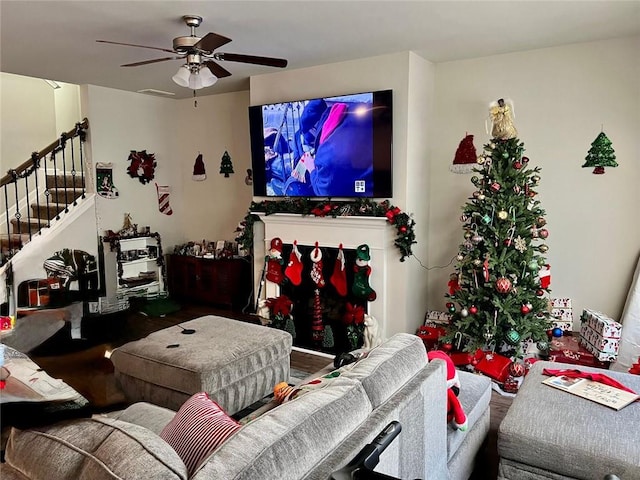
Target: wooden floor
{"type": "Point", "coordinates": [84, 364]}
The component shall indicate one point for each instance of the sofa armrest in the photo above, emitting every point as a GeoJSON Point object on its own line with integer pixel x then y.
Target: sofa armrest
{"type": "Point", "coordinates": [147, 415]}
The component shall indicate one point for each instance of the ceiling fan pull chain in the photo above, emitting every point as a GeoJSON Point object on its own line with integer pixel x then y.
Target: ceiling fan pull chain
{"type": "Point", "coordinates": [195, 102]}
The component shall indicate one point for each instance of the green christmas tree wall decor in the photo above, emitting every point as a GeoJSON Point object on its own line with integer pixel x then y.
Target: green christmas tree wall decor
{"type": "Point", "coordinates": [600, 155]}
{"type": "Point", "coordinates": [496, 296]}
{"type": "Point", "coordinates": [226, 167]}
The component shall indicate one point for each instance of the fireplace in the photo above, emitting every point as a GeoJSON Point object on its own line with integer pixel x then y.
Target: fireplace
{"type": "Point", "coordinates": [329, 233]}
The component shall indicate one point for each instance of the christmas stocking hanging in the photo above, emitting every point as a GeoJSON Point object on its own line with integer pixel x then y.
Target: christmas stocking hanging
{"type": "Point", "coordinates": [361, 287]}
{"type": "Point", "coordinates": [339, 275]}
{"type": "Point", "coordinates": [163, 199]}
{"type": "Point", "coordinates": [275, 262]}
{"type": "Point", "coordinates": [316, 268]}
{"type": "Point", "coordinates": [317, 327]}
{"type": "Point", "coordinates": [104, 181]}
{"type": "Point", "coordinates": [294, 267]}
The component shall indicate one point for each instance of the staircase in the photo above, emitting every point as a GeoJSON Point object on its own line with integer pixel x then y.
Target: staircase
{"type": "Point", "coordinates": [41, 190]}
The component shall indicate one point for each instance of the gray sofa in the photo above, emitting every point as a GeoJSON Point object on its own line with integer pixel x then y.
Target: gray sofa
{"type": "Point", "coordinates": [306, 438]}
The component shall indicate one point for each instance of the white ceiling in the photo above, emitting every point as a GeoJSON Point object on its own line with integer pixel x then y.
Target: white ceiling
{"type": "Point", "coordinates": [57, 39]}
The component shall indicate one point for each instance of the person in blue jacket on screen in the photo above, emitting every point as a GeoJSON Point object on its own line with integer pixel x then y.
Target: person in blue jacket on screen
{"type": "Point", "coordinates": [338, 158]}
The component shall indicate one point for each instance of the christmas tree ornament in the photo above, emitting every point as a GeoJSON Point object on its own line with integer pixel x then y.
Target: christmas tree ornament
{"type": "Point", "coordinates": [503, 215]}
{"type": "Point", "coordinates": [508, 242]}
{"type": "Point", "coordinates": [535, 179]}
{"type": "Point", "coordinates": [600, 155]}
{"type": "Point", "coordinates": [339, 276]}
{"type": "Point", "coordinates": [485, 268]}
{"type": "Point", "coordinates": [524, 309]}
{"type": "Point", "coordinates": [517, 189]}
{"type": "Point", "coordinates": [512, 337]}
{"type": "Point", "coordinates": [464, 218]}
{"type": "Point", "coordinates": [541, 221]}
{"type": "Point", "coordinates": [480, 160]}
{"type": "Point", "coordinates": [477, 238]}
{"type": "Point", "coordinates": [503, 285]}
{"type": "Point", "coordinates": [488, 335]}
{"type": "Point", "coordinates": [476, 194]}
{"type": "Point", "coordinates": [556, 332]}
{"type": "Point", "coordinates": [545, 276]}
{"type": "Point", "coordinates": [275, 262]}
{"type": "Point", "coordinates": [454, 284]}
{"type": "Point", "coordinates": [544, 233]}
{"type": "Point", "coordinates": [533, 265]}
{"type": "Point", "coordinates": [460, 257]}
{"type": "Point", "coordinates": [473, 309]}
{"type": "Point", "coordinates": [226, 167]}
{"type": "Point", "coordinates": [481, 196]}
{"type": "Point", "coordinates": [486, 219]}
{"type": "Point", "coordinates": [543, 346]}
{"type": "Point", "coordinates": [516, 369]}
{"type": "Point", "coordinates": [316, 267]}
{"type": "Point", "coordinates": [475, 179]}
{"type": "Point", "coordinates": [477, 262]}
{"type": "Point", "coordinates": [539, 292]}
{"type": "Point", "coordinates": [520, 244]}
{"type": "Point", "coordinates": [199, 173]}
{"type": "Point", "coordinates": [495, 187]}
{"type": "Point", "coordinates": [525, 160]}
{"type": "Point", "coordinates": [104, 181]}
{"type": "Point", "coordinates": [534, 232]}
{"type": "Point", "coordinates": [163, 192]}
{"type": "Point", "coordinates": [465, 157]}
{"type": "Point", "coordinates": [452, 308]}
{"type": "Point", "coordinates": [517, 165]}
{"type": "Point", "coordinates": [543, 248]}
{"type": "Point", "coordinates": [362, 272]}
{"type": "Point", "coordinates": [293, 271]}
{"type": "Point", "coordinates": [464, 312]}
{"type": "Point", "coordinates": [468, 234]}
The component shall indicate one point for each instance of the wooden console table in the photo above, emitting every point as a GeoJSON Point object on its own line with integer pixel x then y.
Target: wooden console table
{"type": "Point", "coordinates": [221, 282]}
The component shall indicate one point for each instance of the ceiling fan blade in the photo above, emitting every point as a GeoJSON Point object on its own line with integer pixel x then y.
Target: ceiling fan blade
{"type": "Point", "coordinates": [216, 69]}
{"type": "Point", "coordinates": [147, 62]}
{"type": "Point", "coordinates": [134, 45]}
{"type": "Point", "coordinates": [211, 41]}
{"type": "Point", "coordinates": [236, 57]}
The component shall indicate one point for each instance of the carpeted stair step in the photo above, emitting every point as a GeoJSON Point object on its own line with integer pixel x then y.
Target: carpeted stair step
{"type": "Point", "coordinates": [24, 225]}
{"type": "Point", "coordinates": [65, 195]}
{"type": "Point", "coordinates": [65, 181]}
{"type": "Point", "coordinates": [43, 210]}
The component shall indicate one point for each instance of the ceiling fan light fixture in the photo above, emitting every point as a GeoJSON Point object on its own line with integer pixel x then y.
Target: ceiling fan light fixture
{"type": "Point", "coordinates": [207, 77]}
{"type": "Point", "coordinates": [182, 76]}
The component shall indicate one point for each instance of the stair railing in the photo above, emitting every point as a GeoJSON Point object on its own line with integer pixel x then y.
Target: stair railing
{"type": "Point", "coordinates": [28, 186]}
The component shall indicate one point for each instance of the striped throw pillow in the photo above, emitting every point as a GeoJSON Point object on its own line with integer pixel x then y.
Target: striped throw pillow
{"type": "Point", "coordinates": [197, 429]}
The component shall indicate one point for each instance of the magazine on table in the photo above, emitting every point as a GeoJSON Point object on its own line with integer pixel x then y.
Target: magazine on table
{"type": "Point", "coordinates": [27, 382]}
{"type": "Point", "coordinates": [595, 391]}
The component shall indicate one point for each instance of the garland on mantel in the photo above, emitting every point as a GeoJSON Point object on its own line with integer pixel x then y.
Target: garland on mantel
{"type": "Point", "coordinates": [404, 224]}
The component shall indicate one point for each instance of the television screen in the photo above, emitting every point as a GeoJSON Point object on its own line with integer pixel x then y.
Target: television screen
{"type": "Point", "coordinates": [323, 147]}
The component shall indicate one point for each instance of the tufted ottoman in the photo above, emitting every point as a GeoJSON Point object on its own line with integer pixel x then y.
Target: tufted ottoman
{"type": "Point", "coordinates": [237, 363]}
{"type": "Point", "coordinates": [551, 434]}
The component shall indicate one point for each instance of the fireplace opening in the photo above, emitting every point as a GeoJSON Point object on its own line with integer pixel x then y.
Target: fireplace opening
{"type": "Point", "coordinates": [346, 335]}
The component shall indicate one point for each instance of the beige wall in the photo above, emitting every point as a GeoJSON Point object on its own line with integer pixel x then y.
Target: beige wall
{"type": "Point", "coordinates": [410, 78]}
{"type": "Point", "coordinates": [562, 96]}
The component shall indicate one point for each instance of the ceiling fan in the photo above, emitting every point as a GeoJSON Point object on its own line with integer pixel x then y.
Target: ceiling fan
{"type": "Point", "coordinates": [199, 52]}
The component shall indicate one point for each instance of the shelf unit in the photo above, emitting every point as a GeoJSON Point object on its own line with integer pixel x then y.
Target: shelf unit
{"type": "Point", "coordinates": [139, 271]}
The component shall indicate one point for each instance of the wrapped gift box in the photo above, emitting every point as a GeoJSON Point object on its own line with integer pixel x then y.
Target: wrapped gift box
{"type": "Point", "coordinates": [603, 325]}
{"type": "Point", "coordinates": [567, 349]}
{"type": "Point", "coordinates": [561, 303]}
{"type": "Point", "coordinates": [591, 338]}
{"type": "Point", "coordinates": [430, 336]}
{"type": "Point", "coordinates": [434, 317]}
{"type": "Point", "coordinates": [565, 326]}
{"type": "Point", "coordinates": [564, 314]}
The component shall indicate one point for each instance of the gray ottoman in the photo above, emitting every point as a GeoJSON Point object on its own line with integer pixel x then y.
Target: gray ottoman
{"type": "Point", "coordinates": [236, 363]}
{"type": "Point", "coordinates": [548, 433]}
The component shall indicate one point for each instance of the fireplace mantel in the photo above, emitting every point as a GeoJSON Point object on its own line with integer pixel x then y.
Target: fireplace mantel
{"type": "Point", "coordinates": [331, 232]}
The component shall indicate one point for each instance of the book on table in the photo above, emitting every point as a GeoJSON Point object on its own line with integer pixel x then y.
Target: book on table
{"type": "Point", "coordinates": [607, 395]}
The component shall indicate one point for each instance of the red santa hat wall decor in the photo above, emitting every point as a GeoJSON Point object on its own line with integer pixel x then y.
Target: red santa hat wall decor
{"type": "Point", "coordinates": [465, 158]}
{"type": "Point", "coordinates": [199, 173]}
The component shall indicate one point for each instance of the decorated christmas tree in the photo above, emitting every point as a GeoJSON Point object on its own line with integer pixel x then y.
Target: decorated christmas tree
{"type": "Point", "coordinates": [496, 294]}
{"type": "Point", "coordinates": [600, 155]}
{"type": "Point", "coordinates": [226, 167]}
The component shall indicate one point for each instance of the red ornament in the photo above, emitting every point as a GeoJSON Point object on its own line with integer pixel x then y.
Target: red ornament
{"type": "Point", "coordinates": [503, 285]}
{"type": "Point", "coordinates": [525, 309]}
{"type": "Point", "coordinates": [516, 370]}
{"type": "Point", "coordinates": [525, 159]}
{"type": "Point", "coordinates": [447, 347]}
{"type": "Point", "coordinates": [517, 165]}
{"type": "Point", "coordinates": [449, 304]}
{"type": "Point", "coordinates": [540, 292]}
{"type": "Point", "coordinates": [403, 229]}
{"type": "Point", "coordinates": [473, 309]}
{"type": "Point", "coordinates": [495, 186]}
{"type": "Point", "coordinates": [544, 233]}
{"type": "Point", "coordinates": [508, 242]}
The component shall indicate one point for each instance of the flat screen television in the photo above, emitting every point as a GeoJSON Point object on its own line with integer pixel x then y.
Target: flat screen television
{"type": "Point", "coordinates": [330, 147]}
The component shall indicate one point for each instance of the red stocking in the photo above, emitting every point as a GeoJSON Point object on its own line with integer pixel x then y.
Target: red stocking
{"type": "Point", "coordinates": [339, 275]}
{"type": "Point", "coordinates": [294, 267]}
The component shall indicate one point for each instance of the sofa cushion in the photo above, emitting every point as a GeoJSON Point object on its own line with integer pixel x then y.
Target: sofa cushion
{"type": "Point", "coordinates": [93, 449]}
{"type": "Point", "coordinates": [198, 428]}
{"type": "Point", "coordinates": [388, 366]}
{"type": "Point", "coordinates": [475, 396]}
{"type": "Point", "coordinates": [288, 441]}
